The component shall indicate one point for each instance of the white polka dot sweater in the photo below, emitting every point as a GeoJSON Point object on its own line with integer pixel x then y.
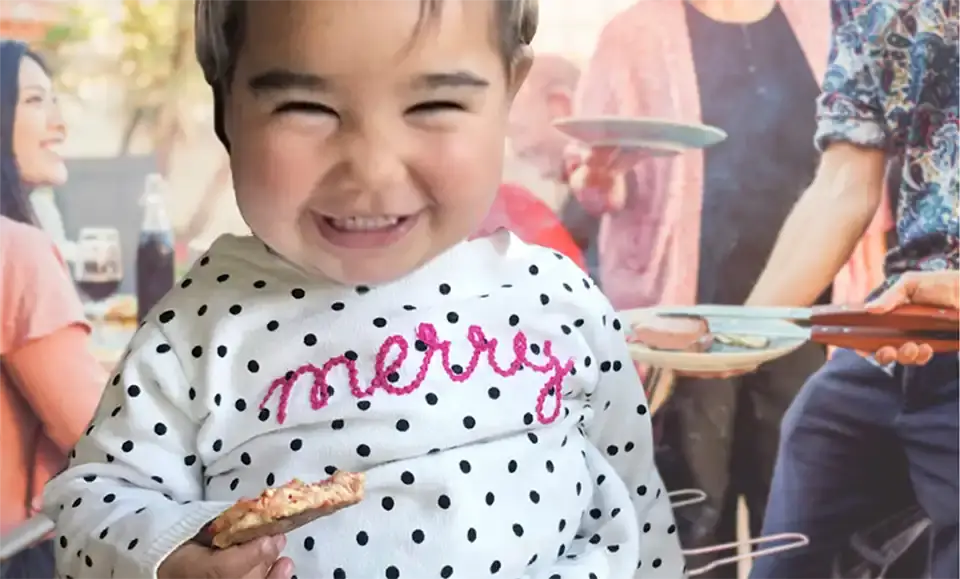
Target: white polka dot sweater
{"type": "Point", "coordinates": [489, 398]}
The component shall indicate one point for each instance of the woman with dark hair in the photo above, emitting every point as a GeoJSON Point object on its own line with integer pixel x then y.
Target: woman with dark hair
{"type": "Point", "coordinates": [50, 382]}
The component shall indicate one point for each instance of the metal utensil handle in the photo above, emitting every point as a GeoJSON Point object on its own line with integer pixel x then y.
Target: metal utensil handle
{"type": "Point", "coordinates": [24, 535]}
{"type": "Point", "coordinates": [797, 540]}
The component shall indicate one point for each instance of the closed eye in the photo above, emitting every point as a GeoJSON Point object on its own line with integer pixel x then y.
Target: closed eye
{"type": "Point", "coordinates": [304, 107]}
{"type": "Point", "coordinates": [435, 107]}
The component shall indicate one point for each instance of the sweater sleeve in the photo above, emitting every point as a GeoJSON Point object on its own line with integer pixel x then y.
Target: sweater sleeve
{"type": "Point", "coordinates": [133, 491]}
{"type": "Point", "coordinates": [621, 430]}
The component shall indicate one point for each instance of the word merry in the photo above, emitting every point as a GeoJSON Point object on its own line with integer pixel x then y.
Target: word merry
{"type": "Point", "coordinates": [386, 373]}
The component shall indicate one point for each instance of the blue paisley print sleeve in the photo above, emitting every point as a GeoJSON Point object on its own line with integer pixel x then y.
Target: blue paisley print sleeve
{"type": "Point", "coordinates": [849, 108]}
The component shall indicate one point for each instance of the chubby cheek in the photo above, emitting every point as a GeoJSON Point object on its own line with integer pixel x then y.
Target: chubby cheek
{"type": "Point", "coordinates": [273, 182]}
{"type": "Point", "coordinates": [465, 173]}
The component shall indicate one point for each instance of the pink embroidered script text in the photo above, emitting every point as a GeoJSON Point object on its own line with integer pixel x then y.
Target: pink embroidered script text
{"type": "Point", "coordinates": [386, 370]}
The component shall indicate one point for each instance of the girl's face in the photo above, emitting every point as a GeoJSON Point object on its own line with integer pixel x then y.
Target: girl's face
{"type": "Point", "coordinates": [38, 128]}
{"type": "Point", "coordinates": [360, 150]}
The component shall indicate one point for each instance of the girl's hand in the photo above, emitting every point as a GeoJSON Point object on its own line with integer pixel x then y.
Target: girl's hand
{"type": "Point", "coordinates": [258, 559]}
{"type": "Point", "coordinates": [933, 288]}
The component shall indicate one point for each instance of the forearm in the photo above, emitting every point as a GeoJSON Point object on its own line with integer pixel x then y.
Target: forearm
{"type": "Point", "coordinates": [822, 230]}
{"type": "Point", "coordinates": [64, 395]}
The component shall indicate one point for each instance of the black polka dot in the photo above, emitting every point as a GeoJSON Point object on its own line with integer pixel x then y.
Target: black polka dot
{"type": "Point", "coordinates": [202, 310]}
{"type": "Point", "coordinates": [339, 573]}
{"type": "Point", "coordinates": [109, 498]}
{"type": "Point", "coordinates": [453, 317]}
{"type": "Point", "coordinates": [270, 479]}
{"type": "Point", "coordinates": [518, 529]}
{"type": "Point", "coordinates": [444, 289]}
{"type": "Point", "coordinates": [490, 498]}
{"type": "Point", "coordinates": [264, 415]}
{"type": "Point", "coordinates": [403, 425]}
{"type": "Point", "coordinates": [253, 366]}
{"type": "Point", "coordinates": [656, 563]}
{"type": "Point", "coordinates": [446, 572]}
{"type": "Point", "coordinates": [296, 444]}
{"type": "Point", "coordinates": [350, 355]}
{"type": "Point", "coordinates": [240, 405]}
{"type": "Point", "coordinates": [380, 322]}
{"type": "Point", "coordinates": [133, 391]}
{"type": "Point", "coordinates": [166, 316]}
{"type": "Point", "coordinates": [190, 460]}
{"type": "Point", "coordinates": [417, 536]}
{"type": "Point", "coordinates": [217, 445]}
{"type": "Point", "coordinates": [469, 422]}
{"type": "Point", "coordinates": [431, 398]}
{"type": "Point", "coordinates": [297, 293]}
{"type": "Point", "coordinates": [160, 429]}
{"type": "Point", "coordinates": [495, 567]}
{"type": "Point", "coordinates": [544, 299]}
{"type": "Point", "coordinates": [443, 502]}
{"type": "Point", "coordinates": [363, 450]}
{"type": "Point", "coordinates": [514, 319]}
{"type": "Point", "coordinates": [127, 446]}
{"type": "Point", "coordinates": [132, 544]}
{"type": "Point", "coordinates": [234, 484]}
{"type": "Point", "coordinates": [309, 543]}
{"type": "Point", "coordinates": [641, 409]}
{"type": "Point", "coordinates": [217, 399]}
{"type": "Point", "coordinates": [493, 392]}
{"type": "Point", "coordinates": [534, 497]}
{"type": "Point", "coordinates": [387, 503]}
{"type": "Point", "coordinates": [512, 466]}
{"type": "Point", "coordinates": [407, 477]}
{"type": "Point", "coordinates": [642, 490]}
{"type": "Point", "coordinates": [392, 572]}
{"type": "Point", "coordinates": [362, 538]}
{"type": "Point", "coordinates": [163, 348]}
{"type": "Point", "coordinates": [363, 405]}
{"type": "Point", "coordinates": [196, 352]}
{"type": "Point", "coordinates": [235, 309]}
{"type": "Point", "coordinates": [464, 466]}
{"type": "Point", "coordinates": [272, 325]}
{"type": "Point", "coordinates": [337, 306]}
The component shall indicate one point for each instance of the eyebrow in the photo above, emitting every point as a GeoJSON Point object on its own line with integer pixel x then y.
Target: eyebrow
{"type": "Point", "coordinates": [456, 79]}
{"type": "Point", "coordinates": [278, 79]}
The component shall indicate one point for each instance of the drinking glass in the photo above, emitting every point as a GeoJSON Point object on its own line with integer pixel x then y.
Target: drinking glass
{"type": "Point", "coordinates": [99, 266]}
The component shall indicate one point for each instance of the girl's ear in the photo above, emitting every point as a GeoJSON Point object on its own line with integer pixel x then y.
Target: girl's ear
{"type": "Point", "coordinates": [519, 69]}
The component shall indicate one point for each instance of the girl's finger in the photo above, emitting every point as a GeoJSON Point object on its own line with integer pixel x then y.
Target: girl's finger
{"type": "Point", "coordinates": [282, 569]}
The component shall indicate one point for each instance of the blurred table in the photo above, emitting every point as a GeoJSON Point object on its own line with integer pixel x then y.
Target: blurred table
{"type": "Point", "coordinates": [109, 338]}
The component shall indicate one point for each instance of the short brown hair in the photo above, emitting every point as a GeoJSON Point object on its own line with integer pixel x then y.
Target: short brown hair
{"type": "Point", "coordinates": [220, 25]}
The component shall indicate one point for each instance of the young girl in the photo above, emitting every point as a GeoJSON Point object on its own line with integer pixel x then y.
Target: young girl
{"type": "Point", "coordinates": [484, 386]}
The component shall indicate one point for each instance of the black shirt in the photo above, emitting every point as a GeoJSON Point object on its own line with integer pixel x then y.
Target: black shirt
{"type": "Point", "coordinates": [756, 84]}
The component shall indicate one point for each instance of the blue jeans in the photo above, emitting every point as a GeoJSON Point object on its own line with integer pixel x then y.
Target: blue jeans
{"type": "Point", "coordinates": [857, 446]}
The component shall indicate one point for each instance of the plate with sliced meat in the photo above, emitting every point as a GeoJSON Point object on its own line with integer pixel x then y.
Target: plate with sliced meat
{"type": "Point", "coordinates": [696, 344]}
{"type": "Point", "coordinates": [282, 509]}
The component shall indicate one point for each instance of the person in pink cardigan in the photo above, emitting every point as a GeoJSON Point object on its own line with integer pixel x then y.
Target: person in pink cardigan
{"type": "Point", "coordinates": [50, 382]}
{"type": "Point", "coordinates": [699, 227]}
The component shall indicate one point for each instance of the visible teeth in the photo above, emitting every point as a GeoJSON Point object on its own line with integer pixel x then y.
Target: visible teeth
{"type": "Point", "coordinates": [364, 223]}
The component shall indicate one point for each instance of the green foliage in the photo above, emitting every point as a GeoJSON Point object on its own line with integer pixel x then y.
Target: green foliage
{"type": "Point", "coordinates": [144, 48]}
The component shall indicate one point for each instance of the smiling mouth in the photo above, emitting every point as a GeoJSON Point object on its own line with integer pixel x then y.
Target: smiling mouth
{"type": "Point", "coordinates": [364, 232]}
{"type": "Point", "coordinates": [365, 224]}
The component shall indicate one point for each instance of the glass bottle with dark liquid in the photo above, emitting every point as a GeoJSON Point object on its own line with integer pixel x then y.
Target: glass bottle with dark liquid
{"type": "Point", "coordinates": [155, 256]}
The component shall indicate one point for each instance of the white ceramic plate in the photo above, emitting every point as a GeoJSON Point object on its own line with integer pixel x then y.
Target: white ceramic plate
{"type": "Point", "coordinates": [720, 357]}
{"type": "Point", "coordinates": [658, 136]}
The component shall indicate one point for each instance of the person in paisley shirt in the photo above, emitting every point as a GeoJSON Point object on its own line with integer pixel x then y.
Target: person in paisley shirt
{"type": "Point", "coordinates": [864, 439]}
